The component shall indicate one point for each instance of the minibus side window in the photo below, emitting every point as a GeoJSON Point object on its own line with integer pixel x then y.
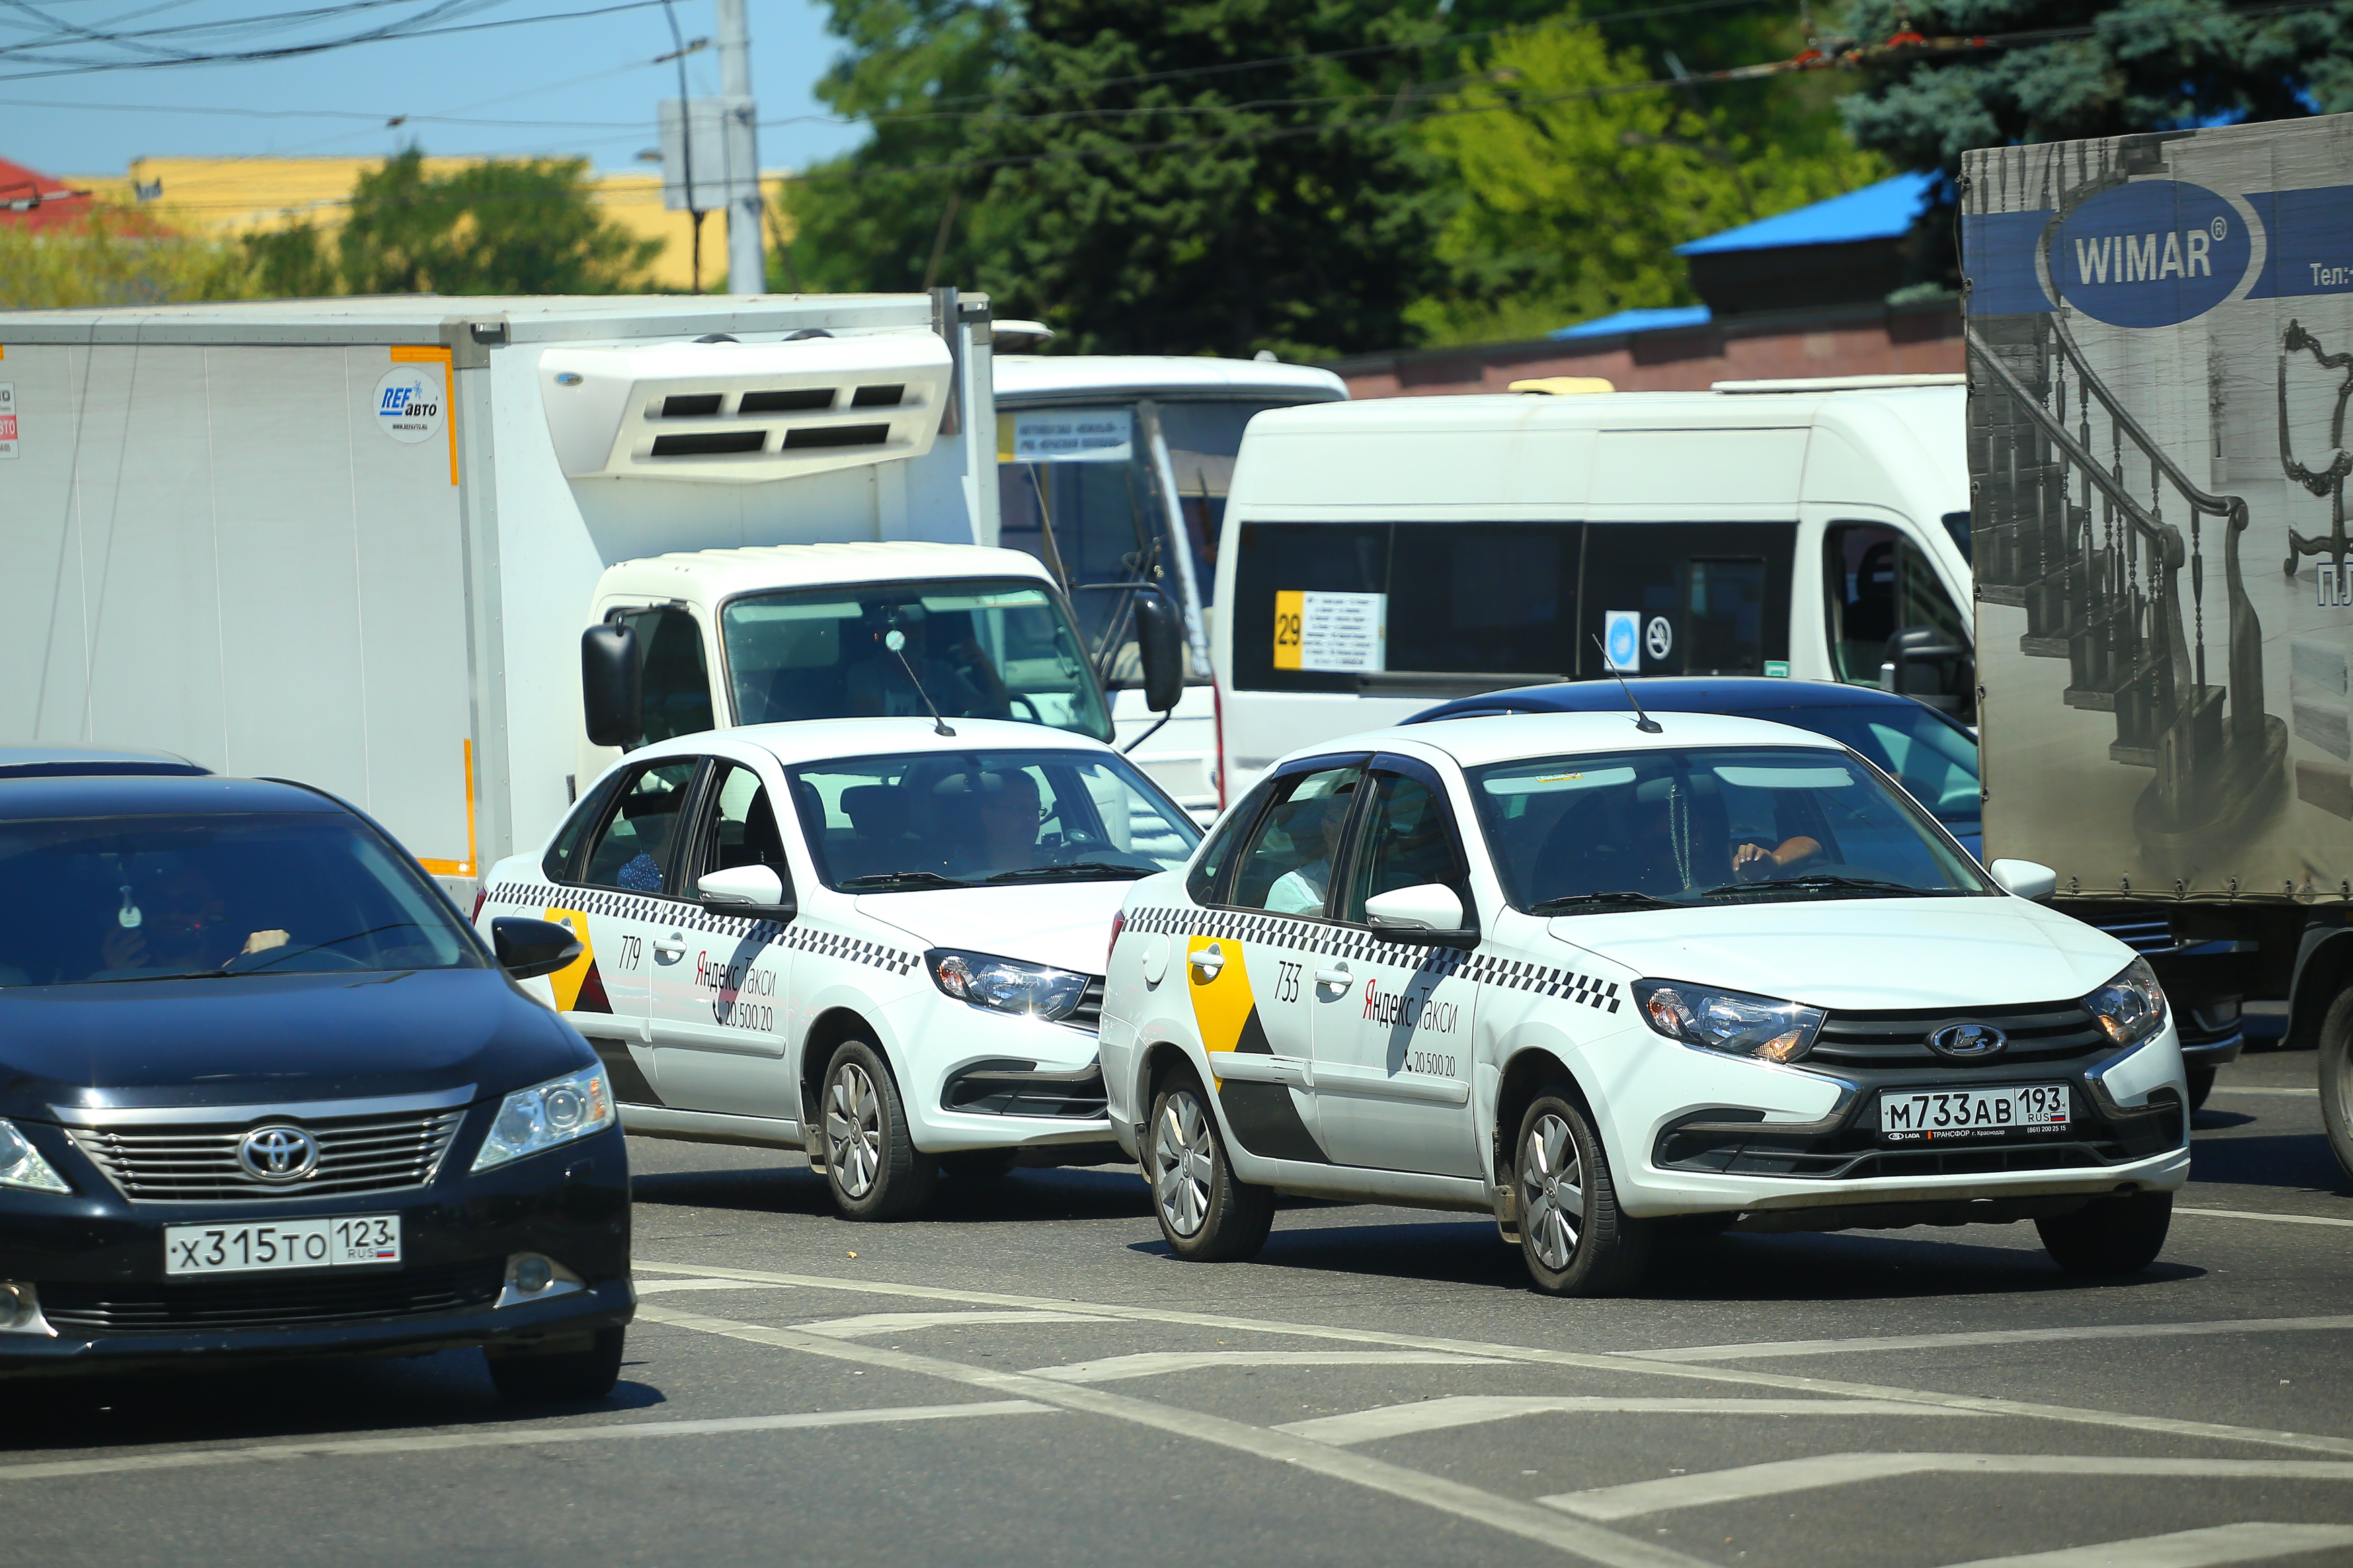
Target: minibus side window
{"type": "Point", "coordinates": [1876, 583]}
{"type": "Point", "coordinates": [1710, 598]}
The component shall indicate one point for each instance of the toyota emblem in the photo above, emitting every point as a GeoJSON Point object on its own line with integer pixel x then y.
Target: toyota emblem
{"type": "Point", "coordinates": [278, 1153]}
{"type": "Point", "coordinates": [1965, 1041]}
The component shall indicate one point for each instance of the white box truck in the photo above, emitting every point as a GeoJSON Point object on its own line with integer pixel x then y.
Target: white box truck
{"type": "Point", "coordinates": [2158, 328]}
{"type": "Point", "coordinates": [356, 542]}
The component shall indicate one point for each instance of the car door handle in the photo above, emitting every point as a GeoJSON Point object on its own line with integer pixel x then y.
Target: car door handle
{"type": "Point", "coordinates": [1209, 959]}
{"type": "Point", "coordinates": [665, 953]}
{"type": "Point", "coordinates": [1339, 975]}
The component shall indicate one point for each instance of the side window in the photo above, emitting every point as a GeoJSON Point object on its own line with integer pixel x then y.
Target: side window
{"type": "Point", "coordinates": [743, 825]}
{"type": "Point", "coordinates": [1408, 841]}
{"type": "Point", "coordinates": [1202, 880]}
{"type": "Point", "coordinates": [632, 852]}
{"type": "Point", "coordinates": [678, 683]}
{"type": "Point", "coordinates": [556, 864]}
{"type": "Point", "coordinates": [1877, 583]}
{"type": "Point", "coordinates": [1287, 867]}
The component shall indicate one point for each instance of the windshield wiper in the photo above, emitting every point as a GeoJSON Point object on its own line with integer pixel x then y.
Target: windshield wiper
{"type": "Point", "coordinates": [1589, 903]}
{"type": "Point", "coordinates": [1076, 871]}
{"type": "Point", "coordinates": [1828, 882]}
{"type": "Point", "coordinates": [894, 881]}
{"type": "Point", "coordinates": [176, 975]}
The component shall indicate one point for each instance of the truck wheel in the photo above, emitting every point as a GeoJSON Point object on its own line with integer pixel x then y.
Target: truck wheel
{"type": "Point", "coordinates": [1572, 1235]}
{"type": "Point", "coordinates": [872, 1163]}
{"type": "Point", "coordinates": [524, 1377]}
{"type": "Point", "coordinates": [2202, 1084]}
{"type": "Point", "coordinates": [1208, 1213]}
{"type": "Point", "coordinates": [2336, 1078]}
{"type": "Point", "coordinates": [2109, 1237]}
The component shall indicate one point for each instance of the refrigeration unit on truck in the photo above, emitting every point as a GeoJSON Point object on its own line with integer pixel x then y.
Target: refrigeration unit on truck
{"type": "Point", "coordinates": [372, 544]}
{"type": "Point", "coordinates": [2158, 328]}
{"type": "Point", "coordinates": [1113, 471]}
{"type": "Point", "coordinates": [1381, 555]}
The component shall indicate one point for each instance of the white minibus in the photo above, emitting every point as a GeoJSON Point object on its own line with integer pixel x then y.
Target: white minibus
{"type": "Point", "coordinates": [1379, 556]}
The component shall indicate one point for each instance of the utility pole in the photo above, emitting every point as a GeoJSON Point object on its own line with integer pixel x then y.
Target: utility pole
{"type": "Point", "coordinates": [747, 269]}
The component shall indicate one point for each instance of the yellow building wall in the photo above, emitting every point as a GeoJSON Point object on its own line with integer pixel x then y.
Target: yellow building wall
{"type": "Point", "coordinates": [228, 196]}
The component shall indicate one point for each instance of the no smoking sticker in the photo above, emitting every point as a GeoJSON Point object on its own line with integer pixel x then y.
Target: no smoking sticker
{"type": "Point", "coordinates": [408, 402]}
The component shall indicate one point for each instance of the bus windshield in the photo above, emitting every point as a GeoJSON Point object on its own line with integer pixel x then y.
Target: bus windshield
{"type": "Point", "coordinates": [975, 647]}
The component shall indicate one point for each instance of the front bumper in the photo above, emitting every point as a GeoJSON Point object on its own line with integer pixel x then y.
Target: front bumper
{"type": "Point", "coordinates": [974, 1078]}
{"type": "Point", "coordinates": [95, 1263]}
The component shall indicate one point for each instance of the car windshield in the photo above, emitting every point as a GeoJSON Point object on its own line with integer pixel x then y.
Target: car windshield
{"type": "Point", "coordinates": [89, 900]}
{"type": "Point", "coordinates": [1935, 761]}
{"type": "Point", "coordinates": [1712, 826]}
{"type": "Point", "coordinates": [980, 648]}
{"type": "Point", "coordinates": [935, 820]}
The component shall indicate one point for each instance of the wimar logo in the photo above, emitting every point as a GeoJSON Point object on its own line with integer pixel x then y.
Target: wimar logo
{"type": "Point", "coordinates": [2149, 253]}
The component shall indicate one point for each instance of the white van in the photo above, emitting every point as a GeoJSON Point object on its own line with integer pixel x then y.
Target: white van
{"type": "Point", "coordinates": [1113, 471]}
{"type": "Point", "coordinates": [1379, 556]}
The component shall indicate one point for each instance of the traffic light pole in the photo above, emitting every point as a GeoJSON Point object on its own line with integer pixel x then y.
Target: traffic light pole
{"type": "Point", "coordinates": [747, 268]}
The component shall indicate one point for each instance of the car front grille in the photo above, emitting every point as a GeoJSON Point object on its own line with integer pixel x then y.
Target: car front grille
{"type": "Point", "coordinates": [1088, 1014]}
{"type": "Point", "coordinates": [300, 1303]}
{"type": "Point", "coordinates": [2038, 1031]}
{"type": "Point", "coordinates": [196, 1161]}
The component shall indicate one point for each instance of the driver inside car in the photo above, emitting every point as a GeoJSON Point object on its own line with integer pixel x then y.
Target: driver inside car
{"type": "Point", "coordinates": [1004, 835]}
{"type": "Point", "coordinates": [174, 924]}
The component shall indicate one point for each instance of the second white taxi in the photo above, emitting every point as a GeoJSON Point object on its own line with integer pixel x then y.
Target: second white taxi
{"type": "Point", "coordinates": [880, 940]}
{"type": "Point", "coordinates": [1608, 977]}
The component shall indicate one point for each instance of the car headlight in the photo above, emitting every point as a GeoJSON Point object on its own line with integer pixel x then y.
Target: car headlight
{"type": "Point", "coordinates": [21, 1164]}
{"type": "Point", "coordinates": [548, 1114]}
{"type": "Point", "coordinates": [1732, 1022]}
{"type": "Point", "coordinates": [1006, 985]}
{"type": "Point", "coordinates": [2131, 1007]}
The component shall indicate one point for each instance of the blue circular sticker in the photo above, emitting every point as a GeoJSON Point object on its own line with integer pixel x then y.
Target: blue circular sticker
{"type": "Point", "coordinates": [1624, 635]}
{"type": "Point", "coordinates": [2150, 254]}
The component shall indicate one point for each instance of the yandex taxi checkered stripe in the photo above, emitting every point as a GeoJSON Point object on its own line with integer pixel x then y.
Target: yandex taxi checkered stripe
{"type": "Point", "coordinates": [798, 935]}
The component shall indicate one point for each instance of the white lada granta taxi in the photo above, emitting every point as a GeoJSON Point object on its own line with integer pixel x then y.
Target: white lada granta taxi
{"type": "Point", "coordinates": [1607, 980]}
{"type": "Point", "coordinates": [898, 971]}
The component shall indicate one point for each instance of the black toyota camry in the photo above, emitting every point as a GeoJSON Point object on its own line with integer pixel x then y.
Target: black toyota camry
{"type": "Point", "coordinates": [264, 1093]}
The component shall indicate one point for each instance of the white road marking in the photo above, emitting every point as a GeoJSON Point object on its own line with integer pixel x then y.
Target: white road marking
{"type": "Point", "coordinates": [2277, 1218]}
{"type": "Point", "coordinates": [1782, 1476]}
{"type": "Point", "coordinates": [1761, 1347]}
{"type": "Point", "coordinates": [870, 1323]}
{"type": "Point", "coordinates": [664, 1287]}
{"type": "Point", "coordinates": [510, 1437]}
{"type": "Point", "coordinates": [1616, 1362]}
{"type": "Point", "coordinates": [2296, 1093]}
{"type": "Point", "coordinates": [1152, 1364]}
{"type": "Point", "coordinates": [2208, 1547]}
{"type": "Point", "coordinates": [1474, 1409]}
{"type": "Point", "coordinates": [1528, 1521]}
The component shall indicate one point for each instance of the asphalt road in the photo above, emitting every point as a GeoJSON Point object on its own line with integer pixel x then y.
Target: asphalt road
{"type": "Point", "coordinates": [1028, 1378]}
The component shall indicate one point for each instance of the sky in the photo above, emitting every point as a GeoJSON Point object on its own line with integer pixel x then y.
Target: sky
{"type": "Point", "coordinates": [581, 85]}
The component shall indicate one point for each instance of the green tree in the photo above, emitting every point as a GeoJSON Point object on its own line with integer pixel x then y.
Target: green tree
{"type": "Point", "coordinates": [293, 263]}
{"type": "Point", "coordinates": [498, 226]}
{"type": "Point", "coordinates": [1578, 179]}
{"type": "Point", "coordinates": [2142, 65]}
{"type": "Point", "coordinates": [112, 257]}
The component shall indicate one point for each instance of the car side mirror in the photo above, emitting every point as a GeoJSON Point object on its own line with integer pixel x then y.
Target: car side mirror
{"type": "Point", "coordinates": [528, 949]}
{"type": "Point", "coordinates": [755, 891]}
{"type": "Point", "coordinates": [612, 685]}
{"type": "Point", "coordinates": [1921, 664]}
{"type": "Point", "coordinates": [2025, 879]}
{"type": "Point", "coordinates": [1429, 912]}
{"type": "Point", "coordinates": [1160, 648]}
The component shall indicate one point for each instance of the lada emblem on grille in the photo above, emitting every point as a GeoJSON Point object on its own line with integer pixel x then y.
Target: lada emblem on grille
{"type": "Point", "coordinates": [1966, 1040]}
{"type": "Point", "coordinates": [278, 1153]}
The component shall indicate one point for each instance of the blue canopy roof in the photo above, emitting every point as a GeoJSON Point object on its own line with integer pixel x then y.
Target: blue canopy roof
{"type": "Point", "coordinates": [1650, 321]}
{"type": "Point", "coordinates": [1883, 210]}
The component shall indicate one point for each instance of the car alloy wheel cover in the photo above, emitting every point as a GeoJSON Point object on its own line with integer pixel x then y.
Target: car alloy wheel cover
{"type": "Point", "coordinates": [1552, 1192]}
{"type": "Point", "coordinates": [1182, 1161]}
{"type": "Point", "coordinates": [853, 1129]}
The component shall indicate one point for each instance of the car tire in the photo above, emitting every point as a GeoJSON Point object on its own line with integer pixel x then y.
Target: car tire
{"type": "Point", "coordinates": [2336, 1078]}
{"type": "Point", "coordinates": [2202, 1084]}
{"type": "Point", "coordinates": [1572, 1236]}
{"type": "Point", "coordinates": [871, 1164]}
{"type": "Point", "coordinates": [2109, 1238]}
{"type": "Point", "coordinates": [1207, 1213]}
{"type": "Point", "coordinates": [534, 1377]}
{"type": "Point", "coordinates": [978, 1164]}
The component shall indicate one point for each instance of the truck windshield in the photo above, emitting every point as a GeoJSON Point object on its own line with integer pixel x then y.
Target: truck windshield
{"type": "Point", "coordinates": [979, 647]}
{"type": "Point", "coordinates": [1676, 828]}
{"type": "Point", "coordinates": [948, 819]}
{"type": "Point", "coordinates": [98, 899]}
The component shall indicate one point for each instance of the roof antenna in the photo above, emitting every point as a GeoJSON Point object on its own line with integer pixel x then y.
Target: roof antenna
{"type": "Point", "coordinates": [1643, 721]}
{"type": "Point", "coordinates": [896, 641]}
